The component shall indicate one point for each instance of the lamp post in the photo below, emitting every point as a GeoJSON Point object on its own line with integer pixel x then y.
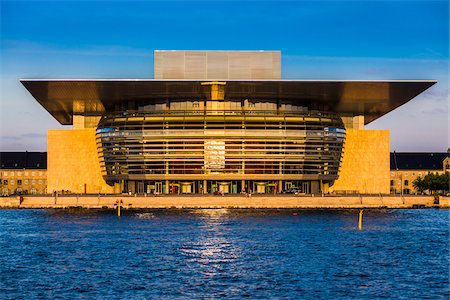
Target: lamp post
{"type": "Point", "coordinates": [401, 184]}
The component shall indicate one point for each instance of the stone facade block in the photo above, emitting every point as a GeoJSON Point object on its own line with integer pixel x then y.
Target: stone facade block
{"type": "Point", "coordinates": [365, 163]}
{"type": "Point", "coordinates": [73, 162]}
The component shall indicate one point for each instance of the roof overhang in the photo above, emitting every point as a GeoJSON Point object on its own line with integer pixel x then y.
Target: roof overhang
{"type": "Point", "coordinates": [373, 99]}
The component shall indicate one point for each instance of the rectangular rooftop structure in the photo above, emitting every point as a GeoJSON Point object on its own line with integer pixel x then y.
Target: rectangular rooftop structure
{"type": "Point", "coordinates": [217, 65]}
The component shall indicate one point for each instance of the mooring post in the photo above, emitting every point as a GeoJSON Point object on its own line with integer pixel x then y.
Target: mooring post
{"type": "Point", "coordinates": [119, 204]}
{"type": "Point", "coordinates": [360, 219]}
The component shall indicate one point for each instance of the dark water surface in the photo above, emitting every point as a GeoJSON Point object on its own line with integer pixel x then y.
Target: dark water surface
{"type": "Point", "coordinates": [289, 254]}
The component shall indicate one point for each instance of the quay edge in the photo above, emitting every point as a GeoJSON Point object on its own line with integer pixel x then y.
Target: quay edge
{"type": "Point", "coordinates": [258, 202]}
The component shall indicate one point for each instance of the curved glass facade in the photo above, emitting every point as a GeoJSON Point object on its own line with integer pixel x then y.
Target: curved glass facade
{"type": "Point", "coordinates": [220, 140]}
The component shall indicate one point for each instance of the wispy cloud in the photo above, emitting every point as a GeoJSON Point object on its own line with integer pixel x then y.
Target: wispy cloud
{"type": "Point", "coordinates": [24, 136]}
{"type": "Point", "coordinates": [22, 142]}
{"type": "Point", "coordinates": [419, 59]}
{"type": "Point", "coordinates": [29, 47]}
{"type": "Point", "coordinates": [33, 135]}
{"type": "Point", "coordinates": [376, 71]}
{"type": "Point", "coordinates": [438, 95]}
{"type": "Point", "coordinates": [21, 46]}
{"type": "Point", "coordinates": [435, 111]}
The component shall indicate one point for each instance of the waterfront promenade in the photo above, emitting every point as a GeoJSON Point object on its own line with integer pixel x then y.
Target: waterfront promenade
{"type": "Point", "coordinates": [228, 201]}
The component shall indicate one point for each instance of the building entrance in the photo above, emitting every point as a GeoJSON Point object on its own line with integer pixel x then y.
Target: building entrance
{"type": "Point", "coordinates": [305, 187]}
{"type": "Point", "coordinates": [260, 187]}
{"type": "Point", "coordinates": [287, 185]}
{"type": "Point", "coordinates": [140, 188]}
{"type": "Point", "coordinates": [224, 187]}
{"type": "Point", "coordinates": [186, 188]}
{"type": "Point", "coordinates": [159, 188]}
{"type": "Point", "coordinates": [227, 187]}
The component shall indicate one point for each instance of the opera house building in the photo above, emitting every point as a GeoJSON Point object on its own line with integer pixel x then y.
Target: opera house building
{"type": "Point", "coordinates": [223, 121]}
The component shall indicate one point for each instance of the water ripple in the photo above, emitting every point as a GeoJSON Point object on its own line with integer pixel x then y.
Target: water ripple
{"type": "Point", "coordinates": [221, 253]}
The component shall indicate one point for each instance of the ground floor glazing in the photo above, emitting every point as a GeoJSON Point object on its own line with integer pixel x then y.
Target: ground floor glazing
{"type": "Point", "coordinates": [222, 187]}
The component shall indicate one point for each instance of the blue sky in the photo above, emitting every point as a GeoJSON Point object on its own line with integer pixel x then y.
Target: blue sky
{"type": "Point", "coordinates": [318, 40]}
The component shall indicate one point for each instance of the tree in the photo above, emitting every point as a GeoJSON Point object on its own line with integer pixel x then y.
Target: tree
{"type": "Point", "coordinates": [444, 182]}
{"type": "Point", "coordinates": [433, 183]}
{"type": "Point", "coordinates": [419, 185]}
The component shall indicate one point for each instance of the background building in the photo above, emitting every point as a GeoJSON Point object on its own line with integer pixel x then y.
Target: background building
{"type": "Point", "coordinates": [23, 173]}
{"type": "Point", "coordinates": [219, 121]}
{"type": "Point", "coordinates": [407, 166]}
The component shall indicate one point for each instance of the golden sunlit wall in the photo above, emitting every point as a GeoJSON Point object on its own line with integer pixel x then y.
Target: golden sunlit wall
{"type": "Point", "coordinates": [365, 164]}
{"type": "Point", "coordinates": [73, 162]}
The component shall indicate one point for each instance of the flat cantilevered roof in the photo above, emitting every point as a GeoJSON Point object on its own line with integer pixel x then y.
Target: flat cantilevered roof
{"type": "Point", "coordinates": [372, 99]}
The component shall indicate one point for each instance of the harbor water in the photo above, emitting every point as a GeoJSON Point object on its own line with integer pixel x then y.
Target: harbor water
{"type": "Point", "coordinates": [218, 253]}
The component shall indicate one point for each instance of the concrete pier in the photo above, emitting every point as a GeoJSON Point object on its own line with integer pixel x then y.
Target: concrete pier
{"type": "Point", "coordinates": [231, 201]}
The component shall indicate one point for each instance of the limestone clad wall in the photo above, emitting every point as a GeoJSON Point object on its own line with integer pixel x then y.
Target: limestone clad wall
{"type": "Point", "coordinates": [365, 164]}
{"type": "Point", "coordinates": [72, 162]}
